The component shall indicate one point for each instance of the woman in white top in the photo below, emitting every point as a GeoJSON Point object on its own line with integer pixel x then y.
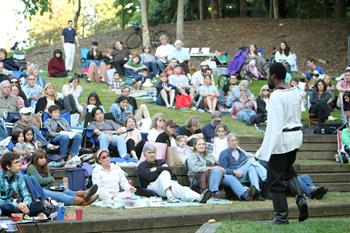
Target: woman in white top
{"type": "Point", "coordinates": [158, 125]}
{"type": "Point", "coordinates": [283, 55]}
{"type": "Point", "coordinates": [132, 137]}
{"type": "Point", "coordinates": [74, 89]}
{"type": "Point", "coordinates": [110, 178]}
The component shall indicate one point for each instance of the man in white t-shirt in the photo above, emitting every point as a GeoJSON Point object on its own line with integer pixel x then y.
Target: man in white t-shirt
{"type": "Point", "coordinates": [163, 51]}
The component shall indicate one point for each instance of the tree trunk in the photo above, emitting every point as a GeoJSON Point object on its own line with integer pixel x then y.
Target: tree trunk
{"type": "Point", "coordinates": [144, 21]}
{"type": "Point", "coordinates": [76, 16]}
{"type": "Point", "coordinates": [201, 10]}
{"type": "Point", "coordinates": [340, 8]}
{"type": "Point", "coordinates": [326, 8]}
{"type": "Point", "coordinates": [242, 8]}
{"type": "Point", "coordinates": [214, 9]}
{"type": "Point", "coordinates": [180, 20]}
{"type": "Point", "coordinates": [271, 9]}
{"type": "Point", "coordinates": [275, 9]}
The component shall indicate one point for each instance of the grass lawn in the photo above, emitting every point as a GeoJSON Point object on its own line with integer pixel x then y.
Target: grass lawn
{"type": "Point", "coordinates": [95, 213]}
{"type": "Point", "coordinates": [319, 225]}
{"type": "Point", "coordinates": [108, 97]}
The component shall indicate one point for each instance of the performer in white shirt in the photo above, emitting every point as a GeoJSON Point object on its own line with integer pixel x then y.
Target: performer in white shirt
{"type": "Point", "coordinates": [283, 138]}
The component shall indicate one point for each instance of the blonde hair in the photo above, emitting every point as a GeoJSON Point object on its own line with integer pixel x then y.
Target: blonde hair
{"type": "Point", "coordinates": [157, 116]}
{"type": "Point", "coordinates": [179, 138]}
{"type": "Point", "coordinates": [262, 88]}
{"type": "Point", "coordinates": [193, 121]}
{"type": "Point", "coordinates": [47, 86]}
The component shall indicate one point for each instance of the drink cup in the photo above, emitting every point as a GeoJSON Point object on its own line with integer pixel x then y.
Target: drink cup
{"type": "Point", "coordinates": [79, 214]}
{"type": "Point", "coordinates": [60, 213]}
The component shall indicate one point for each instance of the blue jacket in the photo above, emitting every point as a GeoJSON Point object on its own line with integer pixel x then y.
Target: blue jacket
{"type": "Point", "coordinates": [229, 163]}
{"type": "Point", "coordinates": [121, 114]}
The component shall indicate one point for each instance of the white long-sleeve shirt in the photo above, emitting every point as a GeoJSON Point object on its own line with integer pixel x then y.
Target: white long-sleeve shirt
{"type": "Point", "coordinates": [283, 113]}
{"type": "Point", "coordinates": [109, 182]}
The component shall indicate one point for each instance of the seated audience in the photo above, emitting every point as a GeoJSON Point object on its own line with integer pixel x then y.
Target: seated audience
{"type": "Point", "coordinates": [236, 93]}
{"type": "Point", "coordinates": [162, 52]}
{"type": "Point", "coordinates": [209, 95]}
{"type": "Point", "coordinates": [182, 149]}
{"type": "Point", "coordinates": [110, 178]}
{"type": "Point", "coordinates": [120, 56]}
{"type": "Point", "coordinates": [181, 82]}
{"type": "Point", "coordinates": [168, 136]}
{"type": "Point", "coordinates": [107, 132]}
{"type": "Point", "coordinates": [191, 129]}
{"type": "Point", "coordinates": [132, 137]}
{"type": "Point", "coordinates": [92, 102]}
{"type": "Point", "coordinates": [56, 67]}
{"type": "Point", "coordinates": [32, 90]}
{"type": "Point", "coordinates": [181, 55]}
{"type": "Point", "coordinates": [209, 129]}
{"type": "Point", "coordinates": [149, 60]}
{"type": "Point", "coordinates": [17, 91]}
{"type": "Point", "coordinates": [261, 102]}
{"type": "Point", "coordinates": [97, 68]}
{"type": "Point", "coordinates": [198, 76]}
{"type": "Point", "coordinates": [220, 140]}
{"type": "Point", "coordinates": [155, 175]}
{"type": "Point", "coordinates": [332, 102]}
{"type": "Point", "coordinates": [165, 92]}
{"type": "Point", "coordinates": [244, 109]}
{"type": "Point", "coordinates": [232, 83]}
{"type": "Point", "coordinates": [342, 86]}
{"type": "Point", "coordinates": [312, 71]}
{"type": "Point", "coordinates": [74, 89]}
{"type": "Point", "coordinates": [158, 126]}
{"type": "Point", "coordinates": [254, 66]}
{"type": "Point", "coordinates": [34, 70]}
{"type": "Point", "coordinates": [60, 133]}
{"type": "Point", "coordinates": [284, 55]}
{"type": "Point", "coordinates": [8, 101]}
{"type": "Point", "coordinates": [9, 63]}
{"type": "Point", "coordinates": [39, 169]}
{"type": "Point", "coordinates": [319, 101]}
{"type": "Point", "coordinates": [236, 163]}
{"type": "Point", "coordinates": [206, 173]}
{"type": "Point", "coordinates": [49, 98]}
{"type": "Point", "coordinates": [4, 74]}
{"type": "Point", "coordinates": [134, 72]}
{"type": "Point", "coordinates": [15, 197]}
{"type": "Point", "coordinates": [20, 147]}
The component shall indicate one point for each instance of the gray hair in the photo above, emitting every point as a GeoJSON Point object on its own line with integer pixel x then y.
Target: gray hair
{"type": "Point", "coordinates": [230, 136]}
{"type": "Point", "coordinates": [32, 68]}
{"type": "Point", "coordinates": [5, 83]}
{"type": "Point", "coordinates": [215, 114]}
{"type": "Point", "coordinates": [149, 147]}
{"type": "Point", "coordinates": [244, 83]}
{"type": "Point", "coordinates": [179, 42]}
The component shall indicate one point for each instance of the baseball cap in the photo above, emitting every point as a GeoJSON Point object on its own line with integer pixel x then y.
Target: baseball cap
{"type": "Point", "coordinates": [25, 111]}
{"type": "Point", "coordinates": [170, 123]}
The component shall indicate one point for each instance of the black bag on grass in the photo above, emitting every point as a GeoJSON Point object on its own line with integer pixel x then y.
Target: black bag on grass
{"type": "Point", "coordinates": [328, 128]}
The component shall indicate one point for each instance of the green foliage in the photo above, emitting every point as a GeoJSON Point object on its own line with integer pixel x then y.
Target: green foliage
{"type": "Point", "coordinates": [32, 7]}
{"type": "Point", "coordinates": [128, 8]}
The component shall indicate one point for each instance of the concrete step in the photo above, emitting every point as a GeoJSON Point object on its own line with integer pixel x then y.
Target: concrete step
{"type": "Point", "coordinates": [339, 187]}
{"type": "Point", "coordinates": [330, 177]}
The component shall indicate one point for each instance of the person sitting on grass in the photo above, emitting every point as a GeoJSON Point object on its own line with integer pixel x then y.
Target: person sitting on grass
{"type": "Point", "coordinates": [149, 60]}
{"type": "Point", "coordinates": [168, 135]}
{"type": "Point", "coordinates": [319, 101]}
{"type": "Point", "coordinates": [60, 133]}
{"type": "Point", "coordinates": [236, 93]}
{"type": "Point", "coordinates": [110, 178]}
{"type": "Point", "coordinates": [132, 137]}
{"type": "Point", "coordinates": [56, 67]}
{"type": "Point", "coordinates": [32, 90]}
{"type": "Point", "coordinates": [158, 126]}
{"type": "Point", "coordinates": [191, 129]}
{"type": "Point", "coordinates": [236, 163]}
{"type": "Point", "coordinates": [181, 82]}
{"type": "Point", "coordinates": [93, 101]}
{"type": "Point", "coordinates": [243, 109]}
{"type": "Point", "coordinates": [209, 95]}
{"type": "Point", "coordinates": [15, 197]}
{"type": "Point", "coordinates": [38, 168]}
{"type": "Point", "coordinates": [165, 92]}
{"type": "Point", "coordinates": [154, 174]}
{"type": "Point", "coordinates": [133, 71]}
{"type": "Point", "coordinates": [107, 132]}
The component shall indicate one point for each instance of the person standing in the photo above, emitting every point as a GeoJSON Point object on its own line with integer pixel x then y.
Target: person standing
{"type": "Point", "coordinates": [69, 38]}
{"type": "Point", "coordinates": [283, 138]}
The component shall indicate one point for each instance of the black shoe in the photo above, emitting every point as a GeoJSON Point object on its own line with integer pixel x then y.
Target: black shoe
{"type": "Point", "coordinates": [205, 196]}
{"type": "Point", "coordinates": [303, 208]}
{"type": "Point", "coordinates": [91, 192]}
{"type": "Point", "coordinates": [251, 193]}
{"type": "Point", "coordinates": [318, 193]}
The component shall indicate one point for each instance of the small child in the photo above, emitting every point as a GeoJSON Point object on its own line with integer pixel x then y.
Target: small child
{"type": "Point", "coordinates": [182, 149]}
{"type": "Point", "coordinates": [20, 147]}
{"type": "Point", "coordinates": [29, 140]}
{"type": "Point", "coordinates": [220, 141]}
{"type": "Point", "coordinates": [116, 82]}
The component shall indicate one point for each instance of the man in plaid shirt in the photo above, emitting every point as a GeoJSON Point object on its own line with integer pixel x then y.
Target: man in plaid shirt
{"type": "Point", "coordinates": [14, 197]}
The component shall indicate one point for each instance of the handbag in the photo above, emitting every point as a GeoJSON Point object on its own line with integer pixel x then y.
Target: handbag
{"type": "Point", "coordinates": [183, 101]}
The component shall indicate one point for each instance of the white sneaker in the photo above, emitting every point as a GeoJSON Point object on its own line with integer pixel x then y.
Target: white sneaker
{"type": "Point", "coordinates": [331, 118]}
{"type": "Point", "coordinates": [147, 83]}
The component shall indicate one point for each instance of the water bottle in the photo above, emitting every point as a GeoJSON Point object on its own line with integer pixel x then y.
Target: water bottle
{"type": "Point", "coordinates": [323, 131]}
{"type": "Point", "coordinates": [61, 212]}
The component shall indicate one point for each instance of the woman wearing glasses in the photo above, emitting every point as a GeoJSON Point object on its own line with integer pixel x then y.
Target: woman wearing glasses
{"type": "Point", "coordinates": [158, 125]}
{"type": "Point", "coordinates": [110, 178]}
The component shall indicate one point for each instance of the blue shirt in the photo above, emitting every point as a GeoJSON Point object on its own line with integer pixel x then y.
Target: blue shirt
{"type": "Point", "coordinates": [309, 75]}
{"type": "Point", "coordinates": [228, 162]}
{"type": "Point", "coordinates": [69, 35]}
{"type": "Point", "coordinates": [32, 91]}
{"type": "Point", "coordinates": [16, 186]}
{"type": "Point", "coordinates": [179, 54]}
{"type": "Point", "coordinates": [121, 114]}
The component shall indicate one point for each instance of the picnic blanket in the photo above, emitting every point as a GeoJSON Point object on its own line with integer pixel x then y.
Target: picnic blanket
{"type": "Point", "coordinates": [135, 201]}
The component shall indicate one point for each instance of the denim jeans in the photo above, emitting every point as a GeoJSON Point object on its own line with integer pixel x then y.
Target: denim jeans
{"type": "Point", "coordinates": [253, 172]}
{"type": "Point", "coordinates": [115, 140]}
{"type": "Point", "coordinates": [161, 65]}
{"type": "Point", "coordinates": [245, 115]}
{"type": "Point", "coordinates": [217, 178]}
{"type": "Point", "coordinates": [34, 188]}
{"type": "Point", "coordinates": [38, 136]}
{"type": "Point", "coordinates": [63, 140]}
{"type": "Point", "coordinates": [306, 184]}
{"type": "Point", "coordinates": [66, 197]}
{"type": "Point", "coordinates": [152, 66]}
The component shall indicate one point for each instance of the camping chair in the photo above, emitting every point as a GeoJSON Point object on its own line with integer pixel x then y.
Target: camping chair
{"type": "Point", "coordinates": [341, 153]}
{"type": "Point", "coordinates": [10, 119]}
{"type": "Point", "coordinates": [84, 62]}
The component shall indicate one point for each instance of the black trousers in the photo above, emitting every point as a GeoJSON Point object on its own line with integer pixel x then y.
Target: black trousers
{"type": "Point", "coordinates": [34, 209]}
{"type": "Point", "coordinates": [279, 170]}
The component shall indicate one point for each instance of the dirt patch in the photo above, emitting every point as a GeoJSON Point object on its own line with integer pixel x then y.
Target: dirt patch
{"type": "Point", "coordinates": [324, 39]}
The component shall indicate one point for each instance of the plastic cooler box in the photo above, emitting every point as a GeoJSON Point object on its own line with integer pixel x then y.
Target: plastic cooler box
{"type": "Point", "coordinates": [76, 179]}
